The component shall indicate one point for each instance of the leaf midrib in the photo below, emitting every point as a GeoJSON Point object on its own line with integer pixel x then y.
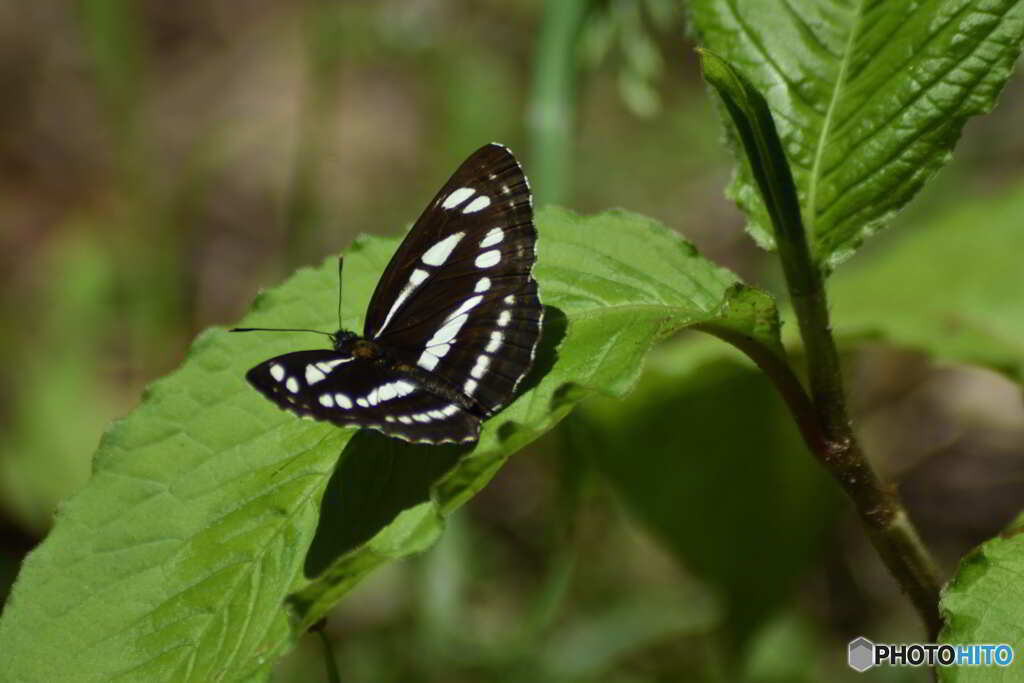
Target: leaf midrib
{"type": "Point", "coordinates": [819, 153]}
{"type": "Point", "coordinates": [661, 309]}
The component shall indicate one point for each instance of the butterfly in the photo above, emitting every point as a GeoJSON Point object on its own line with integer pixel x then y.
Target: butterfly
{"type": "Point", "coordinates": [452, 327]}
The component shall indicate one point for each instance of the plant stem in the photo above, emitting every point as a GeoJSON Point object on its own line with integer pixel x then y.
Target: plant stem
{"type": "Point", "coordinates": [782, 376]}
{"type": "Point", "coordinates": [833, 443]}
{"type": "Point", "coordinates": [822, 417]}
{"type": "Point", "coordinates": [880, 508]}
{"type": "Point", "coordinates": [330, 662]}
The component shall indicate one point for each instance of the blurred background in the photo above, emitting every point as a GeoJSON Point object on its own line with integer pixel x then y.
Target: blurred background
{"type": "Point", "coordinates": [161, 162]}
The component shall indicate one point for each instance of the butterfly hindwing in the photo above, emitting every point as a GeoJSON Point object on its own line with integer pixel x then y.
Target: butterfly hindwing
{"type": "Point", "coordinates": [339, 388]}
{"type": "Point", "coordinates": [458, 298]}
{"type": "Point", "coordinates": [452, 326]}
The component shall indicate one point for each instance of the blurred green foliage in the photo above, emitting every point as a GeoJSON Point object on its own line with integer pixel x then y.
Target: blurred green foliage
{"type": "Point", "coordinates": [736, 489]}
{"type": "Point", "coordinates": [160, 162]}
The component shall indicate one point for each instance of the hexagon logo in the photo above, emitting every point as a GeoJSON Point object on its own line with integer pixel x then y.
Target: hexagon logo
{"type": "Point", "coordinates": [861, 654]}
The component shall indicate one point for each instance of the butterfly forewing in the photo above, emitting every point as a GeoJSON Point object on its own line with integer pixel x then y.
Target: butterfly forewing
{"type": "Point", "coordinates": [458, 299]}
{"type": "Point", "coordinates": [328, 385]}
{"type": "Point", "coordinates": [452, 326]}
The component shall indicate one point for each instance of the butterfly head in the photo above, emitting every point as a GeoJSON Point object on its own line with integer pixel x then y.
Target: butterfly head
{"type": "Point", "coordinates": [343, 340]}
{"type": "Point", "coordinates": [352, 344]}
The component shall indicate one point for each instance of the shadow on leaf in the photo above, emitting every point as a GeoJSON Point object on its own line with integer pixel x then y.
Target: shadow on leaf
{"type": "Point", "coordinates": [376, 478]}
{"type": "Point", "coordinates": [555, 326]}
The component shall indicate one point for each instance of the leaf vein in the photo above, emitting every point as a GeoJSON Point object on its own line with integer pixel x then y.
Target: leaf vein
{"type": "Point", "coordinates": [937, 122]}
{"type": "Point", "coordinates": [812, 190]}
{"type": "Point", "coordinates": [767, 57]}
{"type": "Point", "coordinates": [922, 92]}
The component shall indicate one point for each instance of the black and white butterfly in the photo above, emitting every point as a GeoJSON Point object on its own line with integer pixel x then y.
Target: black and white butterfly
{"type": "Point", "coordinates": [452, 327]}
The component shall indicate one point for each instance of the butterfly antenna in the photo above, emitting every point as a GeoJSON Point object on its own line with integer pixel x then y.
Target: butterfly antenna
{"type": "Point", "coordinates": [278, 329]}
{"type": "Point", "coordinates": [341, 264]}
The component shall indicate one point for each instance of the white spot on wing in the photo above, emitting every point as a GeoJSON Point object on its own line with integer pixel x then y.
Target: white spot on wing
{"type": "Point", "coordinates": [447, 332]}
{"type": "Point", "coordinates": [450, 409]}
{"type": "Point", "coordinates": [404, 388]}
{"type": "Point", "coordinates": [373, 397]}
{"type": "Point", "coordinates": [277, 372]}
{"type": "Point", "coordinates": [328, 365]}
{"type": "Point", "coordinates": [503, 318]}
{"type": "Point", "coordinates": [488, 259]}
{"type": "Point", "coordinates": [417, 278]}
{"type": "Point", "coordinates": [405, 419]}
{"type": "Point", "coordinates": [493, 236]}
{"type": "Point", "coordinates": [362, 402]}
{"type": "Point", "coordinates": [343, 400]}
{"type": "Point", "coordinates": [482, 285]}
{"type": "Point", "coordinates": [427, 360]}
{"type": "Point", "coordinates": [387, 392]}
{"type": "Point", "coordinates": [457, 197]}
{"type": "Point", "coordinates": [439, 253]}
{"type": "Point", "coordinates": [477, 204]}
{"type": "Point", "coordinates": [469, 387]}
{"type": "Point", "coordinates": [327, 401]}
{"type": "Point", "coordinates": [421, 417]}
{"type": "Point", "coordinates": [510, 299]}
{"type": "Point", "coordinates": [467, 305]}
{"type": "Point", "coordinates": [495, 343]}
{"type": "Point", "coordinates": [314, 374]}
{"type": "Point", "coordinates": [482, 363]}
{"type": "Point", "coordinates": [439, 344]}
{"type": "Point", "coordinates": [293, 385]}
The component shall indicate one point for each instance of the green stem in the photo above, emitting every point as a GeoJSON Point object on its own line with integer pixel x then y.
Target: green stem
{"type": "Point", "coordinates": [823, 416]}
{"type": "Point", "coordinates": [780, 372]}
{"type": "Point", "coordinates": [892, 533]}
{"type": "Point", "coordinates": [330, 663]}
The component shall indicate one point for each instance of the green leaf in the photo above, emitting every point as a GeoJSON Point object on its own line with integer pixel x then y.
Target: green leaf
{"type": "Point", "coordinates": [176, 559]}
{"type": "Point", "coordinates": [767, 163]}
{"type": "Point", "coordinates": [951, 287]}
{"type": "Point", "coordinates": [984, 603]}
{"type": "Point", "coordinates": [702, 454]}
{"type": "Point", "coordinates": [869, 97]}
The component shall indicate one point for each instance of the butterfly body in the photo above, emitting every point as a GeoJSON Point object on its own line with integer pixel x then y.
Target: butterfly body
{"type": "Point", "coordinates": [451, 329]}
